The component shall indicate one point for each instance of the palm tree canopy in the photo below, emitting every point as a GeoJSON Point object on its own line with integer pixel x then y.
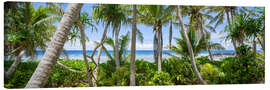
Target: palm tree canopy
{"type": "Point", "coordinates": [32, 32]}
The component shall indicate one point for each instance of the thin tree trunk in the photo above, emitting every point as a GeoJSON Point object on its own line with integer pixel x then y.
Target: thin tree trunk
{"type": "Point", "coordinates": [69, 69]}
{"type": "Point", "coordinates": [170, 35]}
{"type": "Point", "coordinates": [116, 53]}
{"type": "Point", "coordinates": [155, 45]}
{"type": "Point", "coordinates": [133, 48]}
{"type": "Point", "coordinates": [228, 18]}
{"type": "Point", "coordinates": [254, 48]}
{"type": "Point", "coordinates": [233, 41]}
{"type": "Point", "coordinates": [96, 69]}
{"type": "Point", "coordinates": [206, 40]}
{"type": "Point", "coordinates": [261, 43]}
{"type": "Point", "coordinates": [99, 53]}
{"type": "Point", "coordinates": [159, 48]}
{"type": "Point", "coordinates": [42, 72]}
{"type": "Point", "coordinates": [12, 68]}
{"type": "Point", "coordinates": [85, 58]}
{"type": "Point", "coordinates": [236, 51]}
{"type": "Point", "coordinates": [190, 50]}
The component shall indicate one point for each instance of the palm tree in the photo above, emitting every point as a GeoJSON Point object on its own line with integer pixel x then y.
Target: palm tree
{"type": "Point", "coordinates": [133, 48]}
{"type": "Point", "coordinates": [190, 49]}
{"type": "Point", "coordinates": [197, 42]}
{"type": "Point", "coordinates": [113, 15]}
{"type": "Point", "coordinates": [226, 12]}
{"type": "Point", "coordinates": [197, 20]}
{"type": "Point", "coordinates": [42, 72]}
{"type": "Point", "coordinates": [157, 16]}
{"type": "Point", "coordinates": [33, 29]}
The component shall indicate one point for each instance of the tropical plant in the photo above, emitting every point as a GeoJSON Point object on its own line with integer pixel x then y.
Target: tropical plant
{"type": "Point", "coordinates": [42, 72]}
{"type": "Point", "coordinates": [115, 15]}
{"type": "Point", "coordinates": [26, 30]}
{"type": "Point", "coordinates": [157, 16]}
{"type": "Point", "coordinates": [189, 46]}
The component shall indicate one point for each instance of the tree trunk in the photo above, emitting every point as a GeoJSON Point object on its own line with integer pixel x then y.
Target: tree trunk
{"type": "Point", "coordinates": [99, 53]}
{"type": "Point", "coordinates": [133, 48]}
{"type": "Point", "coordinates": [262, 44]}
{"type": "Point", "coordinates": [190, 50]}
{"type": "Point", "coordinates": [116, 54]}
{"type": "Point", "coordinates": [254, 48]}
{"type": "Point", "coordinates": [14, 65]}
{"type": "Point", "coordinates": [155, 45]}
{"type": "Point", "coordinates": [236, 51]}
{"type": "Point", "coordinates": [42, 72]}
{"type": "Point", "coordinates": [170, 35]}
{"type": "Point", "coordinates": [159, 48]}
{"type": "Point", "coordinates": [206, 40]}
{"type": "Point", "coordinates": [95, 74]}
{"type": "Point", "coordinates": [85, 58]}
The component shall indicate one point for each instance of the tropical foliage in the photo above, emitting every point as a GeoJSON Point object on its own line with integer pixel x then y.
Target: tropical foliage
{"type": "Point", "coordinates": [29, 28]}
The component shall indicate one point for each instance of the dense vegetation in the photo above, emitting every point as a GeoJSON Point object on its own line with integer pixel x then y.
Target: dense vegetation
{"type": "Point", "coordinates": [28, 28]}
{"type": "Point", "coordinates": [176, 71]}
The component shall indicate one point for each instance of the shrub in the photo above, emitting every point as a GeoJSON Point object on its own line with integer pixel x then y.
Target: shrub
{"type": "Point", "coordinates": [211, 73]}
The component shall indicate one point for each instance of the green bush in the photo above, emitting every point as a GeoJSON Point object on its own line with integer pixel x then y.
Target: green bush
{"type": "Point", "coordinates": [211, 73]}
{"type": "Point", "coordinates": [180, 70]}
{"type": "Point", "coordinates": [21, 75]}
{"type": "Point", "coordinates": [175, 71]}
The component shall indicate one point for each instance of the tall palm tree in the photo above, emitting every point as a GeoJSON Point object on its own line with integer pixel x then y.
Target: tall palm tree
{"type": "Point", "coordinates": [42, 72]}
{"type": "Point", "coordinates": [157, 16]}
{"type": "Point", "coordinates": [133, 48]}
{"type": "Point", "coordinates": [33, 29]}
{"type": "Point", "coordinates": [228, 13]}
{"type": "Point", "coordinates": [197, 19]}
{"type": "Point", "coordinates": [190, 49]}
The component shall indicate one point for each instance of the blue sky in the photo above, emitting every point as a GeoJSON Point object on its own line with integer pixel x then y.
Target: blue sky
{"type": "Point", "coordinates": [145, 29]}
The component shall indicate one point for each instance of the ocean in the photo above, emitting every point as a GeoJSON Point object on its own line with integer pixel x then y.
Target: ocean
{"type": "Point", "coordinates": [140, 54]}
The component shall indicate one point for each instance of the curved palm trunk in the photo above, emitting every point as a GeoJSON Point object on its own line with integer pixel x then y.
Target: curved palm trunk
{"type": "Point", "coordinates": [233, 41]}
{"type": "Point", "coordinates": [99, 54]}
{"type": "Point", "coordinates": [133, 48]}
{"type": "Point", "coordinates": [190, 50]}
{"type": "Point", "coordinates": [85, 58]}
{"type": "Point", "coordinates": [42, 72]}
{"type": "Point", "coordinates": [205, 38]}
{"type": "Point", "coordinates": [14, 65]}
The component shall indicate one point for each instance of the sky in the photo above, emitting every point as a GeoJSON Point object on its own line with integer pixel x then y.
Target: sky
{"type": "Point", "coordinates": [145, 29]}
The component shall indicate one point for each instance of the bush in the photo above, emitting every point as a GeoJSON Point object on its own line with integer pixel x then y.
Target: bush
{"type": "Point", "coordinates": [21, 75]}
{"type": "Point", "coordinates": [180, 70]}
{"type": "Point", "coordinates": [211, 73]}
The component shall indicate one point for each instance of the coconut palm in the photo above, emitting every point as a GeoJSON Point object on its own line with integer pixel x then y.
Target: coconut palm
{"type": "Point", "coordinates": [156, 16]}
{"type": "Point", "coordinates": [83, 21]}
{"type": "Point", "coordinates": [42, 72]}
{"type": "Point", "coordinates": [33, 29]}
{"type": "Point", "coordinates": [113, 15]}
{"type": "Point", "coordinates": [198, 20]}
{"type": "Point", "coordinates": [226, 12]}
{"type": "Point", "coordinates": [189, 46]}
{"type": "Point", "coordinates": [197, 42]}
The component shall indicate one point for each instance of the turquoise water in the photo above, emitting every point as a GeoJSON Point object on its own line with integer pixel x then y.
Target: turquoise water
{"type": "Point", "coordinates": [140, 54]}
